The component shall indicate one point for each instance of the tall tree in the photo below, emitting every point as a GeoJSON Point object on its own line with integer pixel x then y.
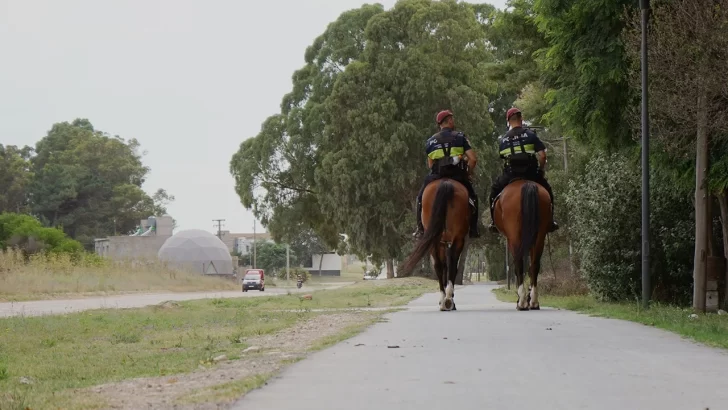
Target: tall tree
{"type": "Point", "coordinates": [87, 181]}
{"type": "Point", "coordinates": [274, 171]}
{"type": "Point", "coordinates": [271, 257]}
{"type": "Point", "coordinates": [15, 178]}
{"type": "Point", "coordinates": [421, 56]}
{"type": "Point", "coordinates": [516, 39]}
{"type": "Point", "coordinates": [585, 68]}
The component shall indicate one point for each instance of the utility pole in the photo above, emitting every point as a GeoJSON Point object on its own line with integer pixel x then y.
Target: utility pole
{"type": "Point", "coordinates": [288, 263]}
{"type": "Point", "coordinates": [219, 227]}
{"type": "Point", "coordinates": [255, 249]}
{"type": "Point", "coordinates": [645, 10]}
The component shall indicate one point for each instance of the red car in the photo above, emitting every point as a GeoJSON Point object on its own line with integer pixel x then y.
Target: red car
{"type": "Point", "coordinates": [254, 279]}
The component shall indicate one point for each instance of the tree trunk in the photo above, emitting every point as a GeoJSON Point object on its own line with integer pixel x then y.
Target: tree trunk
{"type": "Point", "coordinates": [390, 269]}
{"type": "Point", "coordinates": [723, 202]}
{"type": "Point", "coordinates": [702, 197]}
{"type": "Point", "coordinates": [321, 262]}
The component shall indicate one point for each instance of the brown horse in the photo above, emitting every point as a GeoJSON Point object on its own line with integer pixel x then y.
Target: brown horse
{"type": "Point", "coordinates": [523, 214]}
{"type": "Point", "coordinates": [445, 216]}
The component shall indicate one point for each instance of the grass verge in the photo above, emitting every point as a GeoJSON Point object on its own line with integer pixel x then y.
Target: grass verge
{"type": "Point", "coordinates": [44, 359]}
{"type": "Point", "coordinates": [370, 293]}
{"type": "Point", "coordinates": [49, 276]}
{"type": "Point", "coordinates": [710, 329]}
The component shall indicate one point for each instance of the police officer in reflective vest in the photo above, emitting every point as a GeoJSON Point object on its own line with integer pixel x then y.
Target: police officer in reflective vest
{"type": "Point", "coordinates": [445, 158]}
{"type": "Point", "coordinates": [525, 157]}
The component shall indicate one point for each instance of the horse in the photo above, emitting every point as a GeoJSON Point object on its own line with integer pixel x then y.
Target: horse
{"type": "Point", "coordinates": [446, 218]}
{"type": "Point", "coordinates": [523, 214]}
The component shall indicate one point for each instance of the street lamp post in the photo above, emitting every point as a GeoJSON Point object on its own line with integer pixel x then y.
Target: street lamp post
{"type": "Point", "coordinates": [645, 10]}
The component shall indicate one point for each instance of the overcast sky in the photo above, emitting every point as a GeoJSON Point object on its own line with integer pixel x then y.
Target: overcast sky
{"type": "Point", "coordinates": [189, 79]}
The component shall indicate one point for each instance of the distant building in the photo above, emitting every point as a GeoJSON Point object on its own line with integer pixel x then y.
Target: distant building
{"type": "Point", "coordinates": [331, 265]}
{"type": "Point", "coordinates": [198, 251]}
{"type": "Point", "coordinates": [142, 244]}
{"type": "Point", "coordinates": [243, 243]}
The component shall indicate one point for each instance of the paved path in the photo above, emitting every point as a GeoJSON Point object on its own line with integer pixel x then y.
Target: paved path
{"type": "Point", "coordinates": [61, 306]}
{"type": "Point", "coordinates": [489, 356]}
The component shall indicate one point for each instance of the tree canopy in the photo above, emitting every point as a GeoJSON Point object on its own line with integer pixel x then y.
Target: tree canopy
{"type": "Point", "coordinates": [81, 180]}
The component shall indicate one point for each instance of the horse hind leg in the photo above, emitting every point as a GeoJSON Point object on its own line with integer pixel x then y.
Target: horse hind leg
{"type": "Point", "coordinates": [449, 303]}
{"type": "Point", "coordinates": [522, 303]}
{"type": "Point", "coordinates": [441, 278]}
{"type": "Point", "coordinates": [533, 272]}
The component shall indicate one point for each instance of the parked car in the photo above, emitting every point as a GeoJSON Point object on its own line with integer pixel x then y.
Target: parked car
{"type": "Point", "coordinates": [254, 279]}
{"type": "Point", "coordinates": [371, 275]}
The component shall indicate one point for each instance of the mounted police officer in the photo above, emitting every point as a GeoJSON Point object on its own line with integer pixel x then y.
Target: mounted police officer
{"type": "Point", "coordinates": [525, 156]}
{"type": "Point", "coordinates": [445, 151]}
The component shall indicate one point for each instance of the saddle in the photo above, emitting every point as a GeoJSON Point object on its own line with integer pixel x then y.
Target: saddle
{"type": "Point", "coordinates": [497, 197]}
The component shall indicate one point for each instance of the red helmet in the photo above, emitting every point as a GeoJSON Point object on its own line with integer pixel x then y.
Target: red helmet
{"type": "Point", "coordinates": [442, 115]}
{"type": "Point", "coordinates": [511, 112]}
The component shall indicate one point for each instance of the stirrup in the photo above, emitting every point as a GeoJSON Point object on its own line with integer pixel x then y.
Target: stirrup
{"type": "Point", "coordinates": [419, 232]}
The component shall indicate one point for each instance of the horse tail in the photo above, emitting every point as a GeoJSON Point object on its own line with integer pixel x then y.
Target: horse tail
{"type": "Point", "coordinates": [436, 226]}
{"type": "Point", "coordinates": [529, 218]}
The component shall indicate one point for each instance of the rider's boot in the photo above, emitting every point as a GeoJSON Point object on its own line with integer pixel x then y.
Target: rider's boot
{"type": "Point", "coordinates": [420, 229]}
{"type": "Point", "coordinates": [554, 226]}
{"type": "Point", "coordinates": [492, 226]}
{"type": "Point", "coordinates": [474, 232]}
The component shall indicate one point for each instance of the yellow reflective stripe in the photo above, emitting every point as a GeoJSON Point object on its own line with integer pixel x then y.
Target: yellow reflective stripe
{"type": "Point", "coordinates": [440, 153]}
{"type": "Point", "coordinates": [529, 148]}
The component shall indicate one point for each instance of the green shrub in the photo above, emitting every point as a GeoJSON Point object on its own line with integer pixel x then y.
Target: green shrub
{"type": "Point", "coordinates": [294, 273]}
{"type": "Point", "coordinates": [605, 215]}
{"type": "Point", "coordinates": [27, 234]}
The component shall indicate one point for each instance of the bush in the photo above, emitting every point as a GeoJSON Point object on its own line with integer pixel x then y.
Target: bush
{"type": "Point", "coordinates": [294, 273]}
{"type": "Point", "coordinates": [26, 233]}
{"type": "Point", "coordinates": [605, 210]}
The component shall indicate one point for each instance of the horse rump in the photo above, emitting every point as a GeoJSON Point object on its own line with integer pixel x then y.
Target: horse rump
{"type": "Point", "coordinates": [435, 227]}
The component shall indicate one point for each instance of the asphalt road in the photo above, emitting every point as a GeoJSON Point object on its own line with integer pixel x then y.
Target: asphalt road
{"type": "Point", "coordinates": [62, 306]}
{"type": "Point", "coordinates": [487, 355]}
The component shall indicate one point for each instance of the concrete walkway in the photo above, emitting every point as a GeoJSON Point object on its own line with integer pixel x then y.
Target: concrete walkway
{"type": "Point", "coordinates": [487, 355]}
{"type": "Point", "coordinates": [62, 306]}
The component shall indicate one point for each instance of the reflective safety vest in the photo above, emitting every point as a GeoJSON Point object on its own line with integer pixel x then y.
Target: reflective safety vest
{"type": "Point", "coordinates": [447, 147]}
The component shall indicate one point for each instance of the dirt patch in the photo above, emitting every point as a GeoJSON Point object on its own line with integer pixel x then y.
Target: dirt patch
{"type": "Point", "coordinates": [265, 355]}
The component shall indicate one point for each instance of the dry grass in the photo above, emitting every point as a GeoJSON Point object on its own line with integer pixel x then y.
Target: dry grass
{"type": "Point", "coordinates": [557, 280]}
{"type": "Point", "coordinates": [63, 355]}
{"type": "Point", "coordinates": [61, 276]}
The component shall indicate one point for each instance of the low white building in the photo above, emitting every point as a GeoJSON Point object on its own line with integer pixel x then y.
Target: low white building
{"type": "Point", "coordinates": [331, 265]}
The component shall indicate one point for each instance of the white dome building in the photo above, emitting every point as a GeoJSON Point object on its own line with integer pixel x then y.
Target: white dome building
{"type": "Point", "coordinates": [197, 251]}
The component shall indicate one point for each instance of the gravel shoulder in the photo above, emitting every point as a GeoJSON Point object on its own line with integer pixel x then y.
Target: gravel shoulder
{"type": "Point", "coordinates": [217, 385]}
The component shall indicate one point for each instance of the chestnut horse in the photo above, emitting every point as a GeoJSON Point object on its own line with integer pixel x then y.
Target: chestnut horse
{"type": "Point", "coordinates": [446, 218]}
{"type": "Point", "coordinates": [523, 214]}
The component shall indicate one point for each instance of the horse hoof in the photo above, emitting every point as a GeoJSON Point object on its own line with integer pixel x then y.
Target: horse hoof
{"type": "Point", "coordinates": [453, 306]}
{"type": "Point", "coordinates": [449, 304]}
{"type": "Point", "coordinates": [535, 308]}
{"type": "Point", "coordinates": [521, 309]}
